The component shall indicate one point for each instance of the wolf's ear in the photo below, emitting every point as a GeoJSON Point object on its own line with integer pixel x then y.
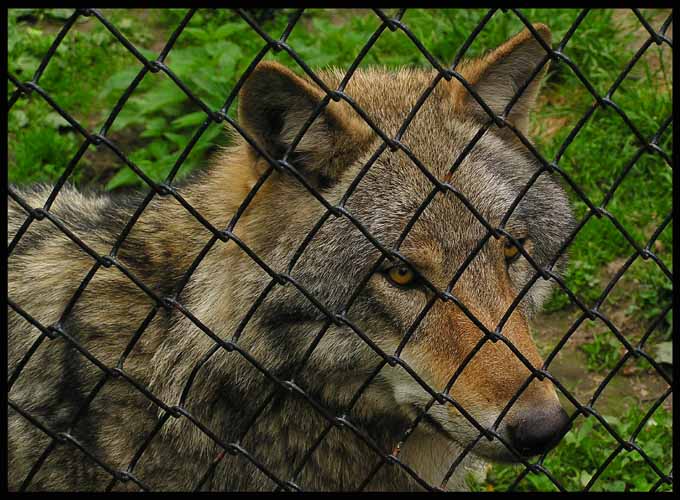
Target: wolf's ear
{"type": "Point", "coordinates": [274, 106]}
{"type": "Point", "coordinates": [501, 73]}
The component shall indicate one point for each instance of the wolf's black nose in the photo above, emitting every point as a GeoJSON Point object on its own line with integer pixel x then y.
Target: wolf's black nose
{"type": "Point", "coordinates": [537, 431]}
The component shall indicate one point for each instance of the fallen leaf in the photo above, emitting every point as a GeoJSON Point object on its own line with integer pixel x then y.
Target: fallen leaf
{"type": "Point", "coordinates": [663, 352]}
{"type": "Point", "coordinates": [629, 370]}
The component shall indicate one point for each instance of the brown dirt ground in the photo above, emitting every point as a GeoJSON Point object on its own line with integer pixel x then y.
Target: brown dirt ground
{"type": "Point", "coordinates": [634, 384]}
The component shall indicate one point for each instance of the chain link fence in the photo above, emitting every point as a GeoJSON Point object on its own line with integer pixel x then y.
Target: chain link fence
{"type": "Point", "coordinates": [556, 55]}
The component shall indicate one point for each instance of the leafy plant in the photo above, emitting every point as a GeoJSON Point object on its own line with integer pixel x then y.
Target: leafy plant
{"type": "Point", "coordinates": [603, 352]}
{"type": "Point", "coordinates": [583, 451]}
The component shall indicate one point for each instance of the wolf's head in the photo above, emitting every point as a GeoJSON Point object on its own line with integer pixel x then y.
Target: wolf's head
{"type": "Point", "coordinates": [389, 198]}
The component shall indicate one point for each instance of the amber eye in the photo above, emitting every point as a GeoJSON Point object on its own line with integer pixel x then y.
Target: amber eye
{"type": "Point", "coordinates": [510, 251]}
{"type": "Point", "coordinates": [401, 275]}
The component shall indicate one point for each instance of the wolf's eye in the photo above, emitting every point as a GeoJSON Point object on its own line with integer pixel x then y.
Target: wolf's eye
{"type": "Point", "coordinates": [511, 252]}
{"type": "Point", "coordinates": [401, 275]}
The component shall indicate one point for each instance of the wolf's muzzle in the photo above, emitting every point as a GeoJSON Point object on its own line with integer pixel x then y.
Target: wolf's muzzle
{"type": "Point", "coordinates": [537, 431]}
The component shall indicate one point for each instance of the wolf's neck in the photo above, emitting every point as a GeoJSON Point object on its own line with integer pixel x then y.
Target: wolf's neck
{"type": "Point", "coordinates": [304, 449]}
{"type": "Point", "coordinates": [295, 442]}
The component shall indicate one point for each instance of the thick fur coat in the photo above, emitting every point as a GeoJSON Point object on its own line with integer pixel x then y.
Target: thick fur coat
{"type": "Point", "coordinates": [162, 354]}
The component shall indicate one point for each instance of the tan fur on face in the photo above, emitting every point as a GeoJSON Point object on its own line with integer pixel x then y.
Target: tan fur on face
{"type": "Point", "coordinates": [495, 374]}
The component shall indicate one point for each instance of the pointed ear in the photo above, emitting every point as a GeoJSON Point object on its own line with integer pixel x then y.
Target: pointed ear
{"type": "Point", "coordinates": [274, 106]}
{"type": "Point", "coordinates": [501, 73]}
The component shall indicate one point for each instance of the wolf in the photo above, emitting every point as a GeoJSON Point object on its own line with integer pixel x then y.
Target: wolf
{"type": "Point", "coordinates": [198, 358]}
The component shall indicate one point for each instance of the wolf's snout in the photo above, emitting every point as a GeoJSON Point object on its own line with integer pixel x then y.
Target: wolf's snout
{"type": "Point", "coordinates": [537, 431]}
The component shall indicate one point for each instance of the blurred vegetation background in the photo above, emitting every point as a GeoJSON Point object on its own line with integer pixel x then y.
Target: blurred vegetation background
{"type": "Point", "coordinates": [91, 70]}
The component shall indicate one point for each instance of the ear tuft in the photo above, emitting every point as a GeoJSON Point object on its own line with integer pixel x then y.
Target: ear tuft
{"type": "Point", "coordinates": [274, 106]}
{"type": "Point", "coordinates": [271, 94]}
{"type": "Point", "coordinates": [499, 75]}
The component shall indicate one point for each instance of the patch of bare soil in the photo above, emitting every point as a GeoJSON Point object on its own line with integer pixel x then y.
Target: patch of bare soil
{"type": "Point", "coordinates": [154, 35]}
{"type": "Point", "coordinates": [633, 384]}
{"type": "Point", "coordinates": [630, 385]}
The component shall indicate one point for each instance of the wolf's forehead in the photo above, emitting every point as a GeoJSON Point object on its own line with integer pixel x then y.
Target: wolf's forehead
{"type": "Point", "coordinates": [478, 198]}
{"type": "Point", "coordinates": [481, 180]}
{"type": "Point", "coordinates": [388, 96]}
{"type": "Point", "coordinates": [430, 121]}
{"type": "Point", "coordinates": [480, 194]}
{"type": "Point", "coordinates": [438, 136]}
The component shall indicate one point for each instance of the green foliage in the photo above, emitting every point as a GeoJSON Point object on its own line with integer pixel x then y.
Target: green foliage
{"type": "Point", "coordinates": [587, 446]}
{"type": "Point", "coordinates": [40, 142]}
{"type": "Point", "coordinates": [40, 154]}
{"type": "Point", "coordinates": [604, 352]}
{"type": "Point", "coordinates": [654, 295]}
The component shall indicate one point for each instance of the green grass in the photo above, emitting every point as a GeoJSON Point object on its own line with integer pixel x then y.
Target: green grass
{"type": "Point", "coordinates": [604, 352]}
{"type": "Point", "coordinates": [91, 70]}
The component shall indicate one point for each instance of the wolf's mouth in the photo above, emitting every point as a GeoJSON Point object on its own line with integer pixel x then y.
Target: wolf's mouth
{"type": "Point", "coordinates": [504, 456]}
{"type": "Point", "coordinates": [436, 426]}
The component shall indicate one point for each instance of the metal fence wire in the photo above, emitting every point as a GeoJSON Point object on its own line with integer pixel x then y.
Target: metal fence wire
{"type": "Point", "coordinates": [177, 409]}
